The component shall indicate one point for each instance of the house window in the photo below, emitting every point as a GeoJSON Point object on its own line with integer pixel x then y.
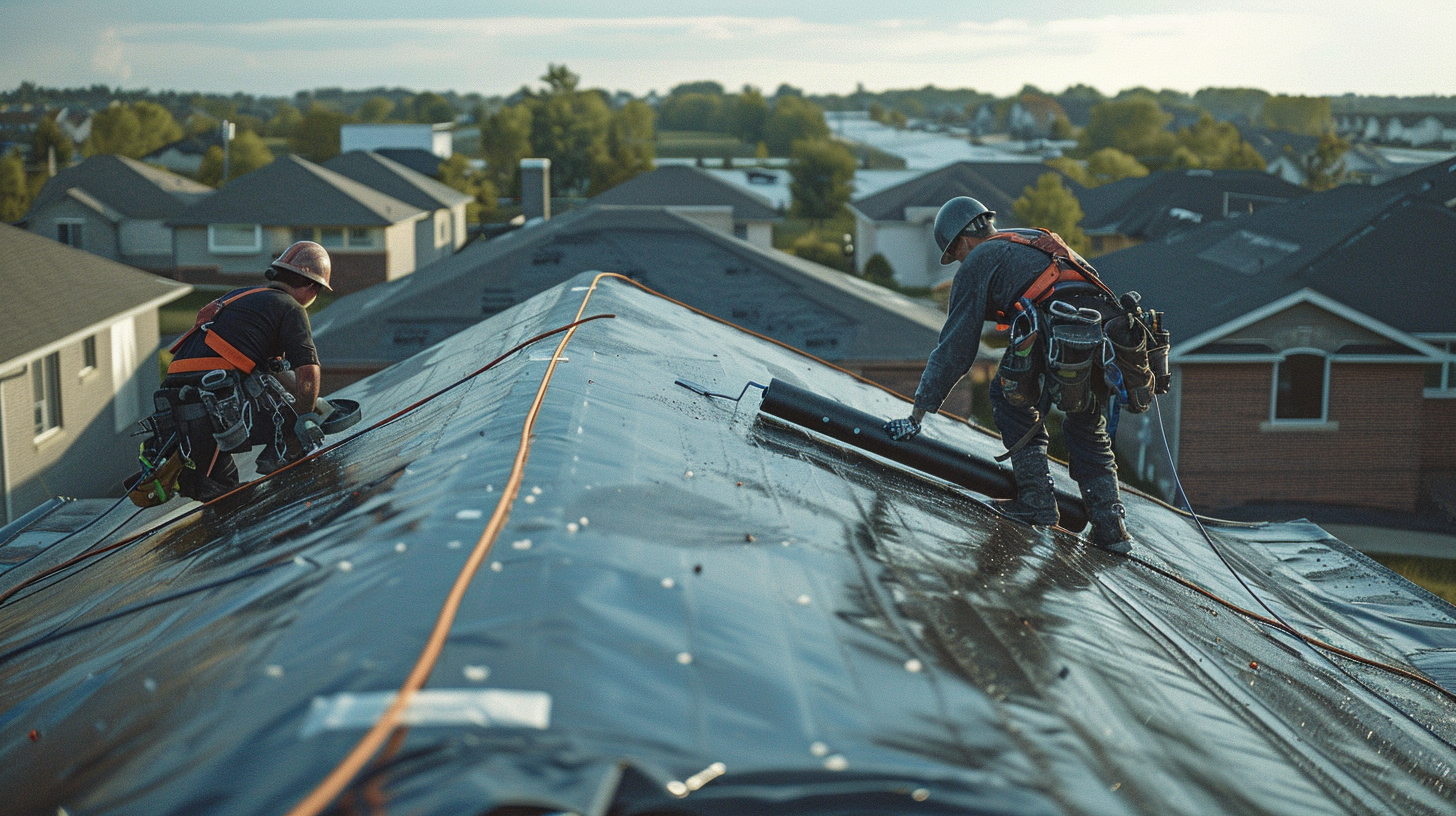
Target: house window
{"type": "Point", "coordinates": [69, 233]}
{"type": "Point", "coordinates": [442, 228]}
{"type": "Point", "coordinates": [302, 234]}
{"type": "Point", "coordinates": [88, 355]}
{"type": "Point", "coordinates": [331, 237]}
{"type": "Point", "coordinates": [234, 239]}
{"type": "Point", "coordinates": [1301, 387]}
{"type": "Point", "coordinates": [45, 380]}
{"type": "Point", "coordinates": [363, 238]}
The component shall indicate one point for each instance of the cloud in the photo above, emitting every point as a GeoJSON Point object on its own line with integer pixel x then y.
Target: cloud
{"type": "Point", "coordinates": [109, 56]}
{"type": "Point", "coordinates": [1277, 50]}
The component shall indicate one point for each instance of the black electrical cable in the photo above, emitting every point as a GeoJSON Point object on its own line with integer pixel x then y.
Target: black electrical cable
{"type": "Point", "coordinates": [1276, 620]}
{"type": "Point", "coordinates": [9, 593]}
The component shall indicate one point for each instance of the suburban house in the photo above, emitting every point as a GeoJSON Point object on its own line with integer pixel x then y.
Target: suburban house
{"type": "Point", "coordinates": [1311, 351]}
{"type": "Point", "coordinates": [421, 161]}
{"type": "Point", "coordinates": [1416, 130]}
{"type": "Point", "coordinates": [870, 330]}
{"type": "Point", "coordinates": [437, 138]}
{"type": "Point", "coordinates": [115, 207]}
{"type": "Point", "coordinates": [899, 222]}
{"type": "Point", "coordinates": [78, 365]}
{"type": "Point", "coordinates": [185, 155]}
{"type": "Point", "coordinates": [436, 236]}
{"type": "Point", "coordinates": [229, 238]}
{"type": "Point", "coordinates": [1133, 210]}
{"type": "Point", "coordinates": [699, 195]}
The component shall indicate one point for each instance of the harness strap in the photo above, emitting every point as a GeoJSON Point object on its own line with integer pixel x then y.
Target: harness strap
{"type": "Point", "coordinates": [208, 312]}
{"type": "Point", "coordinates": [1056, 272]}
{"type": "Point", "coordinates": [228, 355]}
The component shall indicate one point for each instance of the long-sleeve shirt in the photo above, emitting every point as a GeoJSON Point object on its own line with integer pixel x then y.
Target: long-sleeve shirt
{"type": "Point", "coordinates": [991, 278]}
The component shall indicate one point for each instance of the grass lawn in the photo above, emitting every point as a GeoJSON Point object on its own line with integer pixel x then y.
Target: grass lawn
{"type": "Point", "coordinates": [692, 144]}
{"type": "Point", "coordinates": [1435, 575]}
{"type": "Point", "coordinates": [789, 230]}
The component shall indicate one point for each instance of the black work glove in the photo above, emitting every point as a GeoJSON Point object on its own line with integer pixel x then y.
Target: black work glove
{"type": "Point", "coordinates": [902, 429]}
{"type": "Point", "coordinates": [308, 431]}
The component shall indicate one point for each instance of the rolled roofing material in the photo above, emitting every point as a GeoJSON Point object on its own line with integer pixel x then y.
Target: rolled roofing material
{"type": "Point", "coordinates": [692, 609]}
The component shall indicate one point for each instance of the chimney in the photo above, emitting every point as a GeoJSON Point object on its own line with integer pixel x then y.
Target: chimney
{"type": "Point", "coordinates": [536, 189]}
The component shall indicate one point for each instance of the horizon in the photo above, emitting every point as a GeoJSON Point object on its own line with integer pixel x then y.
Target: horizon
{"type": "Point", "coordinates": [1304, 48]}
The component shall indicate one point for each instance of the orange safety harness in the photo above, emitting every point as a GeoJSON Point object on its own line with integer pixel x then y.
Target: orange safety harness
{"type": "Point", "coordinates": [1066, 267]}
{"type": "Point", "coordinates": [228, 355]}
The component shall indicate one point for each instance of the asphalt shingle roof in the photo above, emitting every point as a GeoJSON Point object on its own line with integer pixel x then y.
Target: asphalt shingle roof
{"type": "Point", "coordinates": [995, 184]}
{"type": "Point", "coordinates": [1385, 251]}
{"type": "Point", "coordinates": [52, 291]}
{"type": "Point", "coordinates": [682, 185]}
{"type": "Point", "coordinates": [821, 310]}
{"type": "Point", "coordinates": [294, 192]}
{"type": "Point", "coordinates": [1157, 204]}
{"type": "Point", "coordinates": [133, 189]}
{"type": "Point", "coordinates": [396, 180]}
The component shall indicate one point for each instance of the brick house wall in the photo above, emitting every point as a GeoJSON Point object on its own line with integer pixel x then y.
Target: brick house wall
{"type": "Point", "coordinates": [1228, 455]}
{"type": "Point", "coordinates": [1438, 451]}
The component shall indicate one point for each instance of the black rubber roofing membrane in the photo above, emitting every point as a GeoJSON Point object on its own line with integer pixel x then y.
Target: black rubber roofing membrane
{"type": "Point", "coordinates": [695, 608]}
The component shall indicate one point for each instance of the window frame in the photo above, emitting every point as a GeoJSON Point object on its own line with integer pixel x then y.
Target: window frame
{"type": "Point", "coordinates": [89, 356]}
{"type": "Point", "coordinates": [234, 249]}
{"type": "Point", "coordinates": [46, 413]}
{"type": "Point", "coordinates": [75, 228]}
{"type": "Point", "coordinates": [1324, 416]}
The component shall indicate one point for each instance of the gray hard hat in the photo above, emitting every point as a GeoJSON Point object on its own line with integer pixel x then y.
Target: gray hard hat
{"type": "Point", "coordinates": [954, 216]}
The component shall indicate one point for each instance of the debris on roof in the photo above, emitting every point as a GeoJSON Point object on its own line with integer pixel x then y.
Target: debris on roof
{"type": "Point", "coordinates": [672, 603]}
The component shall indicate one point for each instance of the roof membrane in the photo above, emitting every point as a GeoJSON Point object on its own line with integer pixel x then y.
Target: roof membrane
{"type": "Point", "coordinates": [683, 605]}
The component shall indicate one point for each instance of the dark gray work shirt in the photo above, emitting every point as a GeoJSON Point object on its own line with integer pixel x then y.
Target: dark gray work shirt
{"type": "Point", "coordinates": [992, 277]}
{"type": "Point", "coordinates": [262, 326]}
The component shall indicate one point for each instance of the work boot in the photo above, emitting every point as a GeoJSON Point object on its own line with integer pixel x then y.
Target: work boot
{"type": "Point", "coordinates": [1106, 514]}
{"type": "Point", "coordinates": [1035, 503]}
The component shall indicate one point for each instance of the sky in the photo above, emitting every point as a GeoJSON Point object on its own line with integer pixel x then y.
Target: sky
{"type": "Point", "coordinates": [270, 47]}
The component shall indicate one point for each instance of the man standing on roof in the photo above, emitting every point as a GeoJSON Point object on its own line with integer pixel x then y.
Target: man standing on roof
{"type": "Point", "coordinates": [1001, 274]}
{"type": "Point", "coordinates": [227, 381]}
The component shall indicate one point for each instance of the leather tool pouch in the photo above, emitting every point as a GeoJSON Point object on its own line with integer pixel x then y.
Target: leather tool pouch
{"type": "Point", "coordinates": [1076, 337]}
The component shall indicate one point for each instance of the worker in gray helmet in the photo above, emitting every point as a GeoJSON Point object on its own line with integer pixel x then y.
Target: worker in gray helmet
{"type": "Point", "coordinates": [253, 345]}
{"type": "Point", "coordinates": [1000, 277]}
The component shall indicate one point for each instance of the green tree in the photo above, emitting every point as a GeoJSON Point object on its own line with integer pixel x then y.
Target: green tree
{"type": "Point", "coordinates": [456, 172]}
{"type": "Point", "coordinates": [1050, 205]}
{"type": "Point", "coordinates": [878, 270]}
{"type": "Point", "coordinates": [317, 136]}
{"type": "Point", "coordinates": [793, 119]}
{"type": "Point", "coordinates": [820, 176]}
{"type": "Point", "coordinates": [630, 147]}
{"type": "Point", "coordinates": [1231, 103]}
{"type": "Point", "coordinates": [505, 139]}
{"type": "Point", "coordinates": [376, 109]}
{"type": "Point", "coordinates": [1135, 126]}
{"type": "Point", "coordinates": [1215, 146]}
{"type": "Point", "coordinates": [1309, 115]}
{"type": "Point", "coordinates": [285, 122]}
{"type": "Point", "coordinates": [200, 123]}
{"type": "Point", "coordinates": [48, 136]}
{"type": "Point", "coordinates": [14, 194]}
{"type": "Point", "coordinates": [1325, 168]}
{"type": "Point", "coordinates": [749, 114]}
{"type": "Point", "coordinates": [569, 127]}
{"type": "Point", "coordinates": [694, 111]}
{"type": "Point", "coordinates": [430, 107]}
{"type": "Point", "coordinates": [1103, 167]}
{"type": "Point", "coordinates": [115, 131]}
{"type": "Point", "coordinates": [246, 153]}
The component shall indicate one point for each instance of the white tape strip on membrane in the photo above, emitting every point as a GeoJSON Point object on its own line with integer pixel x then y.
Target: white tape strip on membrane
{"type": "Point", "coordinates": [485, 708]}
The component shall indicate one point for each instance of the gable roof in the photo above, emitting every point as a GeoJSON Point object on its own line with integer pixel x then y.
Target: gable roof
{"type": "Point", "coordinates": [829, 313]}
{"type": "Point", "coordinates": [417, 159]}
{"type": "Point", "coordinates": [396, 180]}
{"type": "Point", "coordinates": [1369, 248]}
{"type": "Point", "coordinates": [995, 184]}
{"type": "Point", "coordinates": [682, 185]}
{"type": "Point", "coordinates": [1273, 144]}
{"type": "Point", "coordinates": [294, 192]}
{"type": "Point", "coordinates": [195, 145]}
{"type": "Point", "coordinates": [1159, 203]}
{"type": "Point", "coordinates": [679, 584]}
{"type": "Point", "coordinates": [52, 291]}
{"type": "Point", "coordinates": [131, 188]}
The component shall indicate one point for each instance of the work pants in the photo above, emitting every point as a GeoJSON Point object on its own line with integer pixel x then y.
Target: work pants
{"type": "Point", "coordinates": [1088, 446]}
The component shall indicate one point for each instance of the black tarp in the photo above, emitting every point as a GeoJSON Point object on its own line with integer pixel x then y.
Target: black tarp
{"type": "Point", "coordinates": [684, 582]}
